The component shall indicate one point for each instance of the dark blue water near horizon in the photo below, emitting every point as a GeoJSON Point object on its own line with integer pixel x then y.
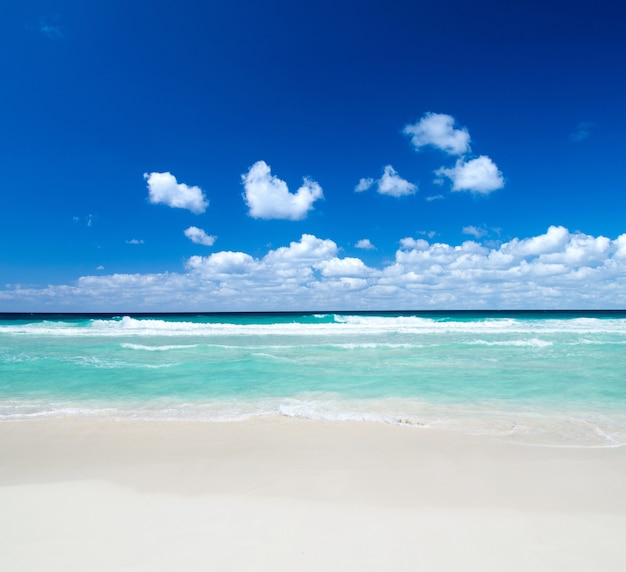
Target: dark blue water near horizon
{"type": "Point", "coordinates": [435, 314]}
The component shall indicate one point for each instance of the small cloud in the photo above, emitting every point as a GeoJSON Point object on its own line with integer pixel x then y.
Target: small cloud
{"type": "Point", "coordinates": [268, 197]}
{"type": "Point", "coordinates": [88, 220]}
{"type": "Point", "coordinates": [198, 236]}
{"type": "Point", "coordinates": [364, 185]}
{"type": "Point", "coordinates": [100, 267]}
{"type": "Point", "coordinates": [164, 189]}
{"type": "Point", "coordinates": [392, 184]}
{"type": "Point", "coordinates": [410, 243]}
{"type": "Point", "coordinates": [583, 131]}
{"type": "Point", "coordinates": [480, 175]}
{"type": "Point", "coordinates": [474, 231]}
{"type": "Point", "coordinates": [428, 233]}
{"type": "Point", "coordinates": [134, 241]}
{"type": "Point", "coordinates": [437, 130]}
{"type": "Point", "coordinates": [52, 31]}
{"type": "Point", "coordinates": [389, 184]}
{"type": "Point", "coordinates": [365, 244]}
{"type": "Point", "coordinates": [434, 198]}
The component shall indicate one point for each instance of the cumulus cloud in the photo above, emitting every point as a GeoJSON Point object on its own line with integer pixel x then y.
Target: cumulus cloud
{"type": "Point", "coordinates": [437, 130]}
{"type": "Point", "coordinates": [198, 236]}
{"type": "Point", "coordinates": [480, 176]}
{"type": "Point", "coordinates": [390, 184]}
{"type": "Point", "coordinates": [363, 185]}
{"type": "Point", "coordinates": [554, 240]}
{"type": "Point", "coordinates": [223, 264]}
{"type": "Point", "coordinates": [268, 197]}
{"type": "Point", "coordinates": [342, 267]}
{"type": "Point", "coordinates": [394, 185]}
{"type": "Point", "coordinates": [308, 250]}
{"type": "Point", "coordinates": [365, 244]}
{"type": "Point", "coordinates": [164, 189]}
{"type": "Point", "coordinates": [134, 241]}
{"type": "Point", "coordinates": [556, 269]}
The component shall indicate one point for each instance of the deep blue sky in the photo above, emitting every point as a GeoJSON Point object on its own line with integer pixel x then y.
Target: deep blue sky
{"type": "Point", "coordinates": [95, 94]}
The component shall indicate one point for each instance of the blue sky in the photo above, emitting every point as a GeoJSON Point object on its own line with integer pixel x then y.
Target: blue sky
{"type": "Point", "coordinates": [218, 156]}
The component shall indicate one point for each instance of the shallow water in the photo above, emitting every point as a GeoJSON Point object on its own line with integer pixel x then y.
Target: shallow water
{"type": "Point", "coordinates": [550, 378]}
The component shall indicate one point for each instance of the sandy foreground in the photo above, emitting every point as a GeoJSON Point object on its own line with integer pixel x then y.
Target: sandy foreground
{"type": "Point", "coordinates": [288, 494]}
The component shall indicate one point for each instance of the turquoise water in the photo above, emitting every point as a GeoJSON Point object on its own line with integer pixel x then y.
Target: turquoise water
{"type": "Point", "coordinates": [557, 378]}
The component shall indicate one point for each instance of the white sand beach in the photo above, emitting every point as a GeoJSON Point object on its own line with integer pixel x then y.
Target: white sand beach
{"type": "Point", "coordinates": [288, 494]}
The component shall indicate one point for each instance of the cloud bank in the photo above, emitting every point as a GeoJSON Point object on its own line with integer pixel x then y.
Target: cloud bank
{"type": "Point", "coordinates": [164, 189]}
{"type": "Point", "coordinates": [557, 269]}
{"type": "Point", "coordinates": [268, 197]}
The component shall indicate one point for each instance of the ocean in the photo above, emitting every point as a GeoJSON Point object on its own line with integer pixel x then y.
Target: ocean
{"type": "Point", "coordinates": [537, 378]}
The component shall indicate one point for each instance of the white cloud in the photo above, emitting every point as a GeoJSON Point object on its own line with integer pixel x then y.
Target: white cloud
{"type": "Point", "coordinates": [434, 198]}
{"type": "Point", "coordinates": [198, 236]}
{"type": "Point", "coordinates": [410, 243]}
{"type": "Point", "coordinates": [342, 267]}
{"type": "Point", "coordinates": [428, 233]}
{"type": "Point", "coordinates": [437, 130]}
{"type": "Point", "coordinates": [394, 185]}
{"type": "Point", "coordinates": [365, 244]}
{"type": "Point", "coordinates": [268, 197]}
{"type": "Point", "coordinates": [474, 231]}
{"type": "Point", "coordinates": [363, 185]}
{"type": "Point", "coordinates": [307, 251]}
{"type": "Point", "coordinates": [389, 184]}
{"type": "Point", "coordinates": [134, 241]}
{"type": "Point", "coordinates": [554, 240]}
{"type": "Point", "coordinates": [480, 175]}
{"type": "Point", "coordinates": [223, 264]}
{"type": "Point", "coordinates": [164, 189]}
{"type": "Point", "coordinates": [556, 269]}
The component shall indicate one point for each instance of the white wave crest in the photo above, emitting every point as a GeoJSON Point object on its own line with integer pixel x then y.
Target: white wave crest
{"type": "Point", "coordinates": [158, 348]}
{"type": "Point", "coordinates": [344, 325]}
{"type": "Point", "coordinates": [533, 343]}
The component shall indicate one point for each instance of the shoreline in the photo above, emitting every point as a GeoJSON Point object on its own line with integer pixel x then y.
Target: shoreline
{"type": "Point", "coordinates": [568, 429]}
{"type": "Point", "coordinates": [282, 494]}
